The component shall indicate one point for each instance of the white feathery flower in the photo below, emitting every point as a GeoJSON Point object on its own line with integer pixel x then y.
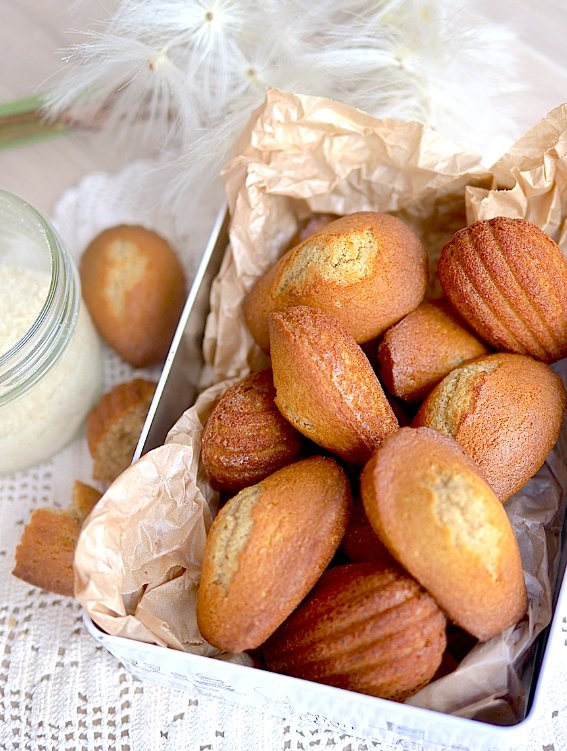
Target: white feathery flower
{"type": "Point", "coordinates": [206, 39]}
{"type": "Point", "coordinates": [191, 71]}
{"type": "Point", "coordinates": [124, 81]}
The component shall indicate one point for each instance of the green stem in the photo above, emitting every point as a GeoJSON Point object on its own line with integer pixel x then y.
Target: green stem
{"type": "Point", "coordinates": [24, 120]}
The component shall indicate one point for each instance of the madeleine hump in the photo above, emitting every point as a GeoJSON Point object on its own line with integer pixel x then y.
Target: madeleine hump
{"type": "Point", "coordinates": [508, 279]}
{"type": "Point", "coordinates": [266, 549]}
{"type": "Point", "coordinates": [134, 287]}
{"type": "Point", "coordinates": [325, 385]}
{"type": "Point", "coordinates": [440, 519]}
{"type": "Point", "coordinates": [422, 348]}
{"type": "Point", "coordinates": [504, 410]}
{"type": "Point", "coordinates": [367, 269]}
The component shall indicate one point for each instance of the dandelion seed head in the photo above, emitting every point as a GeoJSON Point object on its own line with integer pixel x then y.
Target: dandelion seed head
{"type": "Point", "coordinates": [189, 72]}
{"type": "Point", "coordinates": [158, 60]}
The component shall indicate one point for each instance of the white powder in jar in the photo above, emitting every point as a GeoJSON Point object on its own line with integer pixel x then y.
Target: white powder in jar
{"type": "Point", "coordinates": [49, 414]}
{"type": "Point", "coordinates": [22, 295]}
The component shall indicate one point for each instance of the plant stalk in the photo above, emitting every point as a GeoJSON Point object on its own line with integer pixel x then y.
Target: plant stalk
{"type": "Point", "coordinates": [24, 120]}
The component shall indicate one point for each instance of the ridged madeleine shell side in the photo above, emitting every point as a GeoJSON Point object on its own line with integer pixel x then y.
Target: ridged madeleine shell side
{"type": "Point", "coordinates": [365, 628]}
{"type": "Point", "coordinates": [114, 425]}
{"type": "Point", "coordinates": [508, 279]}
{"type": "Point", "coordinates": [246, 438]}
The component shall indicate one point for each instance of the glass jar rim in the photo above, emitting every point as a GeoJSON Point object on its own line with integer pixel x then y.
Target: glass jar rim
{"type": "Point", "coordinates": [24, 363]}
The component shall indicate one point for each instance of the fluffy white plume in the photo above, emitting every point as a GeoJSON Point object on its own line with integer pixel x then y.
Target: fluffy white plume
{"type": "Point", "coordinates": [189, 72]}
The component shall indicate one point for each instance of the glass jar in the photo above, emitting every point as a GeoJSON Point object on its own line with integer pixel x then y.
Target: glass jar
{"type": "Point", "coordinates": [50, 354]}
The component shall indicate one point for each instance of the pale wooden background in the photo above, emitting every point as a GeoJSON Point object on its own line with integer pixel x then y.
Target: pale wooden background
{"type": "Point", "coordinates": [34, 33]}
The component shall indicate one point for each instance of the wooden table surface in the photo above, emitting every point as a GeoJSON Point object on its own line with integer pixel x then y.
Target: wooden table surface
{"type": "Point", "coordinates": [33, 38]}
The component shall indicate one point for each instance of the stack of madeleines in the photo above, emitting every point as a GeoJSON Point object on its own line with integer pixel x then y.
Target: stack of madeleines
{"type": "Point", "coordinates": [367, 469]}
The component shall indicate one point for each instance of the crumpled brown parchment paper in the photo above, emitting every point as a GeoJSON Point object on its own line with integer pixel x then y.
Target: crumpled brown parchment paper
{"type": "Point", "coordinates": [139, 555]}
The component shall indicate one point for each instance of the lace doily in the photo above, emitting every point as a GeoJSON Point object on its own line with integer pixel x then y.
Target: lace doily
{"type": "Point", "coordinates": [59, 689]}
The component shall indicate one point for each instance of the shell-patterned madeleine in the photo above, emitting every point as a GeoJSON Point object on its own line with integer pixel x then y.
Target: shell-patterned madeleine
{"type": "Point", "coordinates": [508, 280]}
{"type": "Point", "coordinates": [246, 438]}
{"type": "Point", "coordinates": [366, 628]}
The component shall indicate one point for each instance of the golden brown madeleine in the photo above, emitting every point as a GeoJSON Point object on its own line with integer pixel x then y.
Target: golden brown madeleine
{"type": "Point", "coordinates": [246, 437]}
{"type": "Point", "coordinates": [366, 628]}
{"type": "Point", "coordinates": [44, 555]}
{"type": "Point", "coordinates": [418, 351]}
{"type": "Point", "coordinates": [367, 269]}
{"type": "Point", "coordinates": [325, 385]}
{"type": "Point", "coordinates": [267, 548]}
{"type": "Point", "coordinates": [361, 544]}
{"type": "Point", "coordinates": [504, 410]}
{"type": "Point", "coordinates": [508, 280]}
{"type": "Point", "coordinates": [440, 519]}
{"type": "Point", "coordinates": [134, 287]}
{"type": "Point", "coordinates": [114, 425]}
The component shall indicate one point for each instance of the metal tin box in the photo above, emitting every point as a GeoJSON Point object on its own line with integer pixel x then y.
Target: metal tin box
{"type": "Point", "coordinates": [279, 695]}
